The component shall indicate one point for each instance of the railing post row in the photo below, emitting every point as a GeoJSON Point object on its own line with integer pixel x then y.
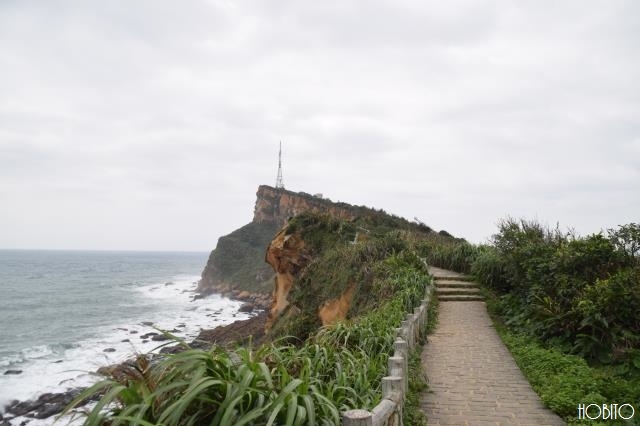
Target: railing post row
{"type": "Point", "coordinates": [396, 385]}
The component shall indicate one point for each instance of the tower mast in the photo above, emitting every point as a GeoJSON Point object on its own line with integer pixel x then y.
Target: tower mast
{"type": "Point", "coordinates": [279, 182]}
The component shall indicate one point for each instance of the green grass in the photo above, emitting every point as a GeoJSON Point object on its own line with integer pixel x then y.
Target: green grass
{"type": "Point", "coordinates": [412, 414]}
{"type": "Point", "coordinates": [563, 380]}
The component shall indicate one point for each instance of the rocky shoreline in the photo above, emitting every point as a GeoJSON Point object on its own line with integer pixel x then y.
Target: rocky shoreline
{"type": "Point", "coordinates": [48, 405]}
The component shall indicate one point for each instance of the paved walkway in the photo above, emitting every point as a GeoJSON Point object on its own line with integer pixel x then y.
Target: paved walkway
{"type": "Point", "coordinates": [473, 380]}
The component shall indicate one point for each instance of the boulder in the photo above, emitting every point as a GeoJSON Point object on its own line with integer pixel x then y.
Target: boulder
{"type": "Point", "coordinates": [247, 307]}
{"type": "Point", "coordinates": [159, 338]}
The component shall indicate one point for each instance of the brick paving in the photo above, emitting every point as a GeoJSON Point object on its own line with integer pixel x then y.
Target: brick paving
{"type": "Point", "coordinates": [473, 379]}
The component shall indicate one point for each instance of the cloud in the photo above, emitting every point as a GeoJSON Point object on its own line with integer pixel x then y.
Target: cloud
{"type": "Point", "coordinates": [132, 116]}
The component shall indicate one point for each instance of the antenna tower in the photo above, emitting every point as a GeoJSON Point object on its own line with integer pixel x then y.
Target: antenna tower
{"type": "Point", "coordinates": [279, 182]}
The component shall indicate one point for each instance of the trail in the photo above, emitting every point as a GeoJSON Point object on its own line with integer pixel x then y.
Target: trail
{"type": "Point", "coordinates": [473, 379]}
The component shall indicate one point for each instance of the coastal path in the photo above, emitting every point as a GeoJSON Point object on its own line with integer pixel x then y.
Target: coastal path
{"type": "Point", "coordinates": [473, 379]}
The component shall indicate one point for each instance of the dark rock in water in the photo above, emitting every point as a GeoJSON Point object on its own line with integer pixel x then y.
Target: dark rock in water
{"type": "Point", "coordinates": [145, 341]}
{"type": "Point", "coordinates": [168, 283]}
{"type": "Point", "coordinates": [12, 372]}
{"type": "Point", "coordinates": [236, 332]}
{"type": "Point", "coordinates": [122, 329]}
{"type": "Point", "coordinates": [125, 340]}
{"type": "Point", "coordinates": [197, 296]}
{"type": "Point", "coordinates": [3, 421]}
{"type": "Point", "coordinates": [146, 336]}
{"type": "Point", "coordinates": [148, 323]}
{"type": "Point", "coordinates": [181, 325]}
{"type": "Point", "coordinates": [109, 350]}
{"type": "Point", "coordinates": [23, 407]}
{"type": "Point", "coordinates": [57, 362]}
{"type": "Point", "coordinates": [133, 332]}
{"type": "Point", "coordinates": [48, 410]}
{"type": "Point", "coordinates": [47, 405]}
{"type": "Point", "coordinates": [159, 338]}
{"type": "Point", "coordinates": [247, 307]}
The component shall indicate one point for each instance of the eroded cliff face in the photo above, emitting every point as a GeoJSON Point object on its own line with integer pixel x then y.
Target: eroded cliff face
{"type": "Point", "coordinates": [277, 205]}
{"type": "Point", "coordinates": [237, 262]}
{"type": "Point", "coordinates": [335, 310]}
{"type": "Point", "coordinates": [288, 255]}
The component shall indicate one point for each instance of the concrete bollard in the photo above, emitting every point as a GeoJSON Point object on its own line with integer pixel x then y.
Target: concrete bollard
{"type": "Point", "coordinates": [406, 328]}
{"type": "Point", "coordinates": [396, 367]}
{"type": "Point", "coordinates": [401, 348]}
{"type": "Point", "coordinates": [392, 388]}
{"type": "Point", "coordinates": [357, 418]}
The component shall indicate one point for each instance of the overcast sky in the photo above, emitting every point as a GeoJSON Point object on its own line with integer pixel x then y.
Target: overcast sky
{"type": "Point", "coordinates": [150, 124]}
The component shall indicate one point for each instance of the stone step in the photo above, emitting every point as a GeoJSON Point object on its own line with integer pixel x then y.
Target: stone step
{"type": "Point", "coordinates": [452, 278]}
{"type": "Point", "coordinates": [449, 291]}
{"type": "Point", "coordinates": [464, 284]}
{"type": "Point", "coordinates": [460, 298]}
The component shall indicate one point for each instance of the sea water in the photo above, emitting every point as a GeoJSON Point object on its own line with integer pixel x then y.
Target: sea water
{"type": "Point", "coordinates": [60, 311]}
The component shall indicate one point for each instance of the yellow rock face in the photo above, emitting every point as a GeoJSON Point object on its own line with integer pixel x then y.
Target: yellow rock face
{"type": "Point", "coordinates": [336, 310]}
{"type": "Point", "coordinates": [277, 205]}
{"type": "Point", "coordinates": [286, 256]}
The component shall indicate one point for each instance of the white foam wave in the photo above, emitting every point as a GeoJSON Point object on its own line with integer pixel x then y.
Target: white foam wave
{"type": "Point", "coordinates": [53, 368]}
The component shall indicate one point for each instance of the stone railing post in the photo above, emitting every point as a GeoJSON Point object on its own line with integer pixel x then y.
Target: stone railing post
{"type": "Point", "coordinates": [357, 418]}
{"type": "Point", "coordinates": [396, 385]}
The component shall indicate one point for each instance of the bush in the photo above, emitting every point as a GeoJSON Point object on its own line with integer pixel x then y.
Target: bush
{"type": "Point", "coordinates": [489, 269]}
{"type": "Point", "coordinates": [456, 255]}
{"type": "Point", "coordinates": [576, 293]}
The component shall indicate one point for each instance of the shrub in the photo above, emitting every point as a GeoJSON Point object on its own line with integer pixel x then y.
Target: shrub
{"type": "Point", "coordinates": [489, 269]}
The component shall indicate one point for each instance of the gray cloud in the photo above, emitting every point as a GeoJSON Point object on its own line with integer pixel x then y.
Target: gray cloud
{"type": "Point", "coordinates": [149, 125]}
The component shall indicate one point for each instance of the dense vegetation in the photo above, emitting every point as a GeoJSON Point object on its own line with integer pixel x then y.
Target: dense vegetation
{"type": "Point", "coordinates": [337, 264]}
{"type": "Point", "coordinates": [306, 377]}
{"type": "Point", "coordinates": [239, 258]}
{"type": "Point", "coordinates": [570, 304]}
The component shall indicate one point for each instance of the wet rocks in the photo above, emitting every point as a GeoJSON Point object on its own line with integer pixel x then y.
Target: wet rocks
{"type": "Point", "coordinates": [3, 421]}
{"type": "Point", "coordinates": [159, 338]}
{"type": "Point", "coordinates": [148, 335]}
{"type": "Point", "coordinates": [47, 405]}
{"type": "Point", "coordinates": [247, 307]}
{"type": "Point", "coordinates": [12, 372]}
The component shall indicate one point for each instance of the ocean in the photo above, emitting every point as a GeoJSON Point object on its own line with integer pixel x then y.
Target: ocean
{"type": "Point", "coordinates": [63, 314]}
